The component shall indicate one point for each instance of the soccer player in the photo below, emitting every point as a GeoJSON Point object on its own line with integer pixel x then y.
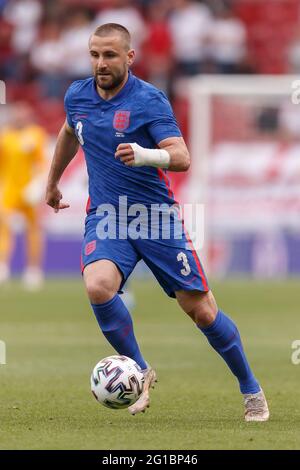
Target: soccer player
{"type": "Point", "coordinates": [22, 166]}
{"type": "Point", "coordinates": [130, 137]}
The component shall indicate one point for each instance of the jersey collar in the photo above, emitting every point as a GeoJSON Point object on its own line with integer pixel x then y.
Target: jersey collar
{"type": "Point", "coordinates": [119, 97]}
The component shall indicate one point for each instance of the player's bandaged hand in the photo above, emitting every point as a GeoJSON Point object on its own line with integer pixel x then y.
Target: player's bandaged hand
{"type": "Point", "coordinates": [134, 155]}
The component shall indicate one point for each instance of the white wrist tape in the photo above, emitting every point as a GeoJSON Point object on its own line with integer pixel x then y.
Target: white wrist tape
{"type": "Point", "coordinates": [158, 158]}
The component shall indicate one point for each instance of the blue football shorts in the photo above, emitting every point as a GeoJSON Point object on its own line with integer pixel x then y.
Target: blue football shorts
{"type": "Point", "coordinates": [172, 260]}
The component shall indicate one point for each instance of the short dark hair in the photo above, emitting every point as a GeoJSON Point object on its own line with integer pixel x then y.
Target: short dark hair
{"type": "Point", "coordinates": [109, 28]}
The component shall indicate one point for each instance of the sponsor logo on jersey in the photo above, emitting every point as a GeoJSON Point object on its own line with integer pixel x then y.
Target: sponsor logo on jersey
{"type": "Point", "coordinates": [80, 116]}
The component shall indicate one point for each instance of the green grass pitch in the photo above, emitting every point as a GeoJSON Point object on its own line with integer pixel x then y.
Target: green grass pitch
{"type": "Point", "coordinates": [53, 342]}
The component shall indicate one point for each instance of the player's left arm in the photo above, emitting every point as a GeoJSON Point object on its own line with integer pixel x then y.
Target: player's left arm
{"type": "Point", "coordinates": [172, 155]}
{"type": "Point", "coordinates": [179, 155]}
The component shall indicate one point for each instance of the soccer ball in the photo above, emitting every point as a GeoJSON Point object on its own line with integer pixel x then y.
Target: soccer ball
{"type": "Point", "coordinates": [117, 382]}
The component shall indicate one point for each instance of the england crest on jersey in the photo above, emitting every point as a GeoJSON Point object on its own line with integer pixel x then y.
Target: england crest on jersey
{"type": "Point", "coordinates": [121, 120]}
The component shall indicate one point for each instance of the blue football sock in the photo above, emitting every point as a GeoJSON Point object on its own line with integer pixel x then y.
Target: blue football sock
{"type": "Point", "coordinates": [116, 325]}
{"type": "Point", "coordinates": [224, 337]}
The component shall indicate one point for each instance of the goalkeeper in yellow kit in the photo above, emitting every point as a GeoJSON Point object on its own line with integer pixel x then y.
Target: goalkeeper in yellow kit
{"type": "Point", "coordinates": [22, 165]}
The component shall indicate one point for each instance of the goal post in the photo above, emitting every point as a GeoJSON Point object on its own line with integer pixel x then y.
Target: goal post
{"type": "Point", "coordinates": [245, 148]}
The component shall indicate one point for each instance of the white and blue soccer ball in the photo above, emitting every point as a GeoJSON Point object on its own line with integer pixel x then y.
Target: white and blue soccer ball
{"type": "Point", "coordinates": [117, 382]}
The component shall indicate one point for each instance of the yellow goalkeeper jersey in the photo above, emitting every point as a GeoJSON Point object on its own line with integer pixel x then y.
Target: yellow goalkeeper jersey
{"type": "Point", "coordinates": [22, 156]}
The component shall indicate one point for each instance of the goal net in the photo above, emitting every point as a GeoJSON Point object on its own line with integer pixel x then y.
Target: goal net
{"type": "Point", "coordinates": [245, 147]}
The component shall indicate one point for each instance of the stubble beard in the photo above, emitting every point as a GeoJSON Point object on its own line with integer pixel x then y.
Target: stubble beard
{"type": "Point", "coordinates": [112, 82]}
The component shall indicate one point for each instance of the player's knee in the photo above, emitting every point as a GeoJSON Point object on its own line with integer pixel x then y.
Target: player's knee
{"type": "Point", "coordinates": [100, 289]}
{"type": "Point", "coordinates": [203, 315]}
{"type": "Point", "coordinates": [202, 308]}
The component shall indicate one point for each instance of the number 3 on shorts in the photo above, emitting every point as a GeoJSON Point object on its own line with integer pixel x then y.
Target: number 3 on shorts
{"type": "Point", "coordinates": [186, 267]}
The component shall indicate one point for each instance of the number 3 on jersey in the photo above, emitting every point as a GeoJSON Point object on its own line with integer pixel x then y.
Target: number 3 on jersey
{"type": "Point", "coordinates": [79, 128]}
{"type": "Point", "coordinates": [186, 270]}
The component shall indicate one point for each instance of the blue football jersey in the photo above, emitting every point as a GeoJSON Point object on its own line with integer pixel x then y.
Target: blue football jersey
{"type": "Point", "coordinates": [138, 113]}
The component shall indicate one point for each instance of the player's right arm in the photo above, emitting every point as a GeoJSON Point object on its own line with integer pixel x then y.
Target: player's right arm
{"type": "Point", "coordinates": [65, 150]}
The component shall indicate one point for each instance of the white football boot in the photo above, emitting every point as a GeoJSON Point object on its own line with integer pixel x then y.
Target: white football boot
{"type": "Point", "coordinates": [256, 407]}
{"type": "Point", "coordinates": [4, 273]}
{"type": "Point", "coordinates": [144, 401]}
{"type": "Point", "coordinates": [33, 278]}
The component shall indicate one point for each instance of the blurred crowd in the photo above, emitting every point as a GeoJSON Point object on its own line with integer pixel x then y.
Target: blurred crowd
{"type": "Point", "coordinates": [43, 44]}
{"type": "Point", "coordinates": [47, 41]}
